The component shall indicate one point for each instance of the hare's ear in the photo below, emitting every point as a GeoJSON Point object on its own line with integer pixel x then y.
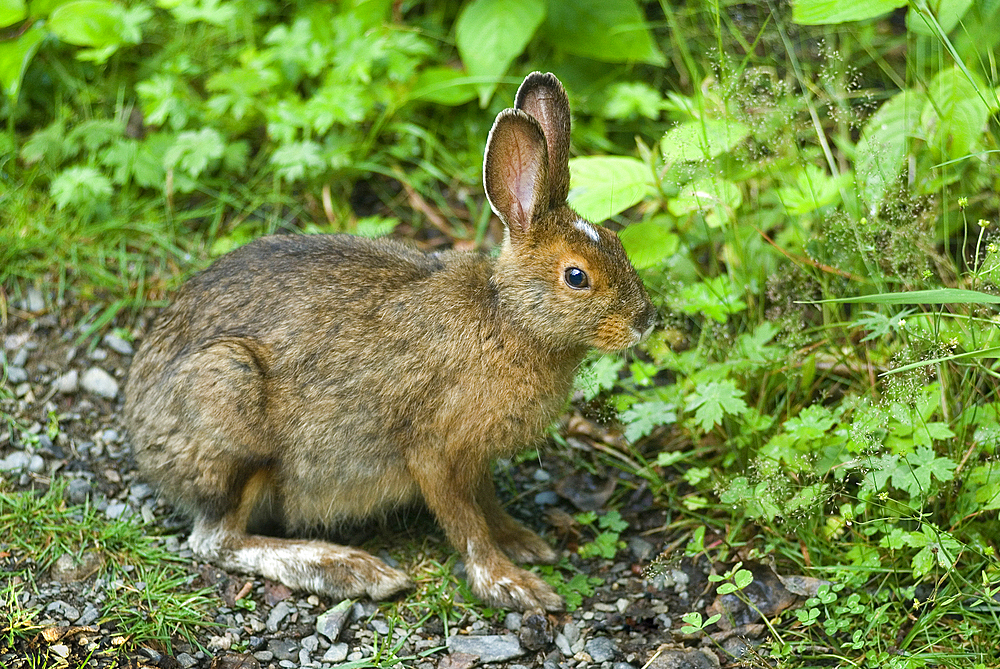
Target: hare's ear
{"type": "Point", "coordinates": [515, 172]}
{"type": "Point", "coordinates": [543, 98]}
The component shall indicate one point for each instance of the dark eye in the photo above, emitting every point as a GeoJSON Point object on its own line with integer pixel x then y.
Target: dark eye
{"type": "Point", "coordinates": [576, 278]}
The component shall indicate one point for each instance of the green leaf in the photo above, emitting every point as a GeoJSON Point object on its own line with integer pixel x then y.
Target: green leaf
{"type": "Point", "coordinates": [820, 12]}
{"type": "Point", "coordinates": [630, 99]}
{"type": "Point", "coordinates": [702, 139]}
{"type": "Point", "coordinates": [297, 160]}
{"type": "Point", "coordinates": [12, 11]}
{"type": "Point", "coordinates": [946, 12]}
{"type": "Point", "coordinates": [490, 34]}
{"type": "Point", "coordinates": [812, 190]}
{"type": "Point", "coordinates": [716, 298]}
{"type": "Point", "coordinates": [955, 118]}
{"type": "Point", "coordinates": [649, 243]}
{"type": "Point", "coordinates": [716, 198]}
{"type": "Point", "coordinates": [193, 151]}
{"type": "Point", "coordinates": [443, 86]}
{"type": "Point", "coordinates": [15, 55]}
{"type": "Point", "coordinates": [713, 401]}
{"type": "Point", "coordinates": [612, 520]}
{"type": "Point", "coordinates": [80, 187]}
{"type": "Point", "coordinates": [642, 418]}
{"type": "Point", "coordinates": [938, 296]}
{"type": "Point", "coordinates": [614, 31]}
{"type": "Point", "coordinates": [885, 143]}
{"type": "Point", "coordinates": [914, 473]}
{"type": "Point", "coordinates": [599, 375]}
{"type": "Point", "coordinates": [94, 23]}
{"type": "Point", "coordinates": [603, 186]}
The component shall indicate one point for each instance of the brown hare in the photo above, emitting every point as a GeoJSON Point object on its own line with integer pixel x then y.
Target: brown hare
{"type": "Point", "coordinates": [308, 380]}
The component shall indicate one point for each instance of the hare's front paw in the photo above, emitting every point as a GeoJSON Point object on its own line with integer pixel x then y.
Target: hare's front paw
{"type": "Point", "coordinates": [511, 588]}
{"type": "Point", "coordinates": [523, 545]}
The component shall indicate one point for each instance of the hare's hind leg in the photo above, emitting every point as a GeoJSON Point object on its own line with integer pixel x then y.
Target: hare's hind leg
{"type": "Point", "coordinates": [316, 566]}
{"type": "Point", "coordinates": [516, 540]}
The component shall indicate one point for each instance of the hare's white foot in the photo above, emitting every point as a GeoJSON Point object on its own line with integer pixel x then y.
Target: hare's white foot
{"type": "Point", "coordinates": [506, 586]}
{"type": "Point", "coordinates": [315, 566]}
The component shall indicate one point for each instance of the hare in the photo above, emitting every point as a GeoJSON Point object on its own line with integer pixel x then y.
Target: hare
{"type": "Point", "coordinates": [309, 380]}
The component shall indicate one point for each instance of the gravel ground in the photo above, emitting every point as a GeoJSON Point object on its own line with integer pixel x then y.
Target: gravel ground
{"type": "Point", "coordinates": [627, 622]}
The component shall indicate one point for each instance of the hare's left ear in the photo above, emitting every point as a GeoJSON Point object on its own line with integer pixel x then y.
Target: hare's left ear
{"type": "Point", "coordinates": [515, 172]}
{"type": "Point", "coordinates": [543, 98]}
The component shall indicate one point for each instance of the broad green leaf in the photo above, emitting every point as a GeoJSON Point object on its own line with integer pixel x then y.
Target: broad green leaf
{"type": "Point", "coordinates": [715, 298]}
{"type": "Point", "coordinates": [812, 190]}
{"type": "Point", "coordinates": [714, 400]}
{"type": "Point", "coordinates": [613, 31]}
{"type": "Point", "coordinates": [629, 99]}
{"type": "Point", "coordinates": [598, 376]}
{"type": "Point", "coordinates": [642, 418]}
{"type": "Point", "coordinates": [716, 198]}
{"type": "Point", "coordinates": [884, 144]}
{"type": "Point", "coordinates": [193, 151]}
{"type": "Point", "coordinates": [954, 119]}
{"type": "Point", "coordinates": [701, 140]}
{"type": "Point", "coordinates": [602, 186]}
{"type": "Point", "coordinates": [297, 160]}
{"type": "Point", "coordinates": [820, 12]}
{"type": "Point", "coordinates": [490, 34]}
{"type": "Point", "coordinates": [649, 243]}
{"type": "Point", "coordinates": [946, 12]}
{"type": "Point", "coordinates": [79, 187]}
{"type": "Point", "coordinates": [12, 11]}
{"type": "Point", "coordinates": [443, 86]}
{"type": "Point", "coordinates": [15, 55]}
{"type": "Point", "coordinates": [93, 23]}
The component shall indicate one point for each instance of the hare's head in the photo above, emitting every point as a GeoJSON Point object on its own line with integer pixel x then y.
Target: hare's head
{"type": "Point", "coordinates": [566, 279]}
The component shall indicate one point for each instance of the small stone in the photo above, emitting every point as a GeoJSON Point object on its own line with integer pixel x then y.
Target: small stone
{"type": "Point", "coordinates": [363, 610]}
{"type": "Point", "coordinates": [337, 652]}
{"type": "Point", "coordinates": [458, 661]}
{"type": "Point", "coordinates": [235, 661]}
{"type": "Point", "coordinates": [60, 649]}
{"type": "Point", "coordinates": [35, 301]}
{"type": "Point", "coordinates": [20, 358]}
{"type": "Point", "coordinates": [563, 644]}
{"type": "Point", "coordinates": [78, 491]}
{"type": "Point", "coordinates": [67, 383]}
{"type": "Point", "coordinates": [546, 498]}
{"type": "Point", "coordinates": [90, 614]}
{"type": "Point", "coordinates": [380, 626]}
{"type": "Point", "coordinates": [23, 390]}
{"type": "Point", "coordinates": [512, 621]}
{"type": "Point", "coordinates": [16, 375]}
{"type": "Point", "coordinates": [310, 643]}
{"type": "Point", "coordinates": [36, 465]}
{"type": "Point", "coordinates": [98, 382]}
{"type": "Point", "coordinates": [304, 659]}
{"type": "Point", "coordinates": [219, 643]}
{"type": "Point", "coordinates": [115, 510]}
{"type": "Point", "coordinates": [622, 665]}
{"type": "Point", "coordinates": [67, 611]}
{"type": "Point", "coordinates": [689, 658]}
{"type": "Point", "coordinates": [277, 615]}
{"type": "Point", "coordinates": [186, 660]}
{"type": "Point", "coordinates": [572, 632]}
{"type": "Point", "coordinates": [489, 648]}
{"type": "Point", "coordinates": [332, 621]}
{"type": "Point", "coordinates": [283, 649]}
{"type": "Point", "coordinates": [98, 355]}
{"type": "Point", "coordinates": [67, 569]}
{"type": "Point", "coordinates": [641, 549]}
{"type": "Point", "coordinates": [15, 463]}
{"type": "Point", "coordinates": [541, 475]}
{"type": "Point", "coordinates": [264, 655]}
{"type": "Point", "coordinates": [601, 649]}
{"type": "Point", "coordinates": [622, 605]}
{"type": "Point", "coordinates": [117, 344]}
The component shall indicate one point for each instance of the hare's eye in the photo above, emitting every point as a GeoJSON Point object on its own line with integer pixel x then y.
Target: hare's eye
{"type": "Point", "coordinates": [576, 278]}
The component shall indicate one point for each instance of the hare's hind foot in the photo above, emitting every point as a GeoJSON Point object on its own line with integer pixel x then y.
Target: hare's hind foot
{"type": "Point", "coordinates": [340, 572]}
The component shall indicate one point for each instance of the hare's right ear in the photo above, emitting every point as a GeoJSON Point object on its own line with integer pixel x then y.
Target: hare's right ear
{"type": "Point", "coordinates": [543, 98]}
{"type": "Point", "coordinates": [515, 171]}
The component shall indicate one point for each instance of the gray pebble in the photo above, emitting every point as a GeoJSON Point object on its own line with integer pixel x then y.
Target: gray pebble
{"type": "Point", "coordinates": [35, 301]}
{"type": "Point", "coordinates": [283, 649]}
{"type": "Point", "coordinates": [277, 616]}
{"type": "Point", "coordinates": [36, 465]}
{"type": "Point", "coordinates": [264, 655]}
{"type": "Point", "coordinates": [22, 389]}
{"type": "Point", "coordinates": [186, 660]}
{"type": "Point", "coordinates": [622, 665]}
{"type": "Point", "coordinates": [641, 549]}
{"type": "Point", "coordinates": [363, 610]}
{"type": "Point", "coordinates": [20, 358]}
{"type": "Point", "coordinates": [90, 614]}
{"type": "Point", "coordinates": [572, 632]}
{"type": "Point", "coordinates": [546, 498]}
{"type": "Point", "coordinates": [98, 355]}
{"type": "Point", "coordinates": [512, 621]}
{"type": "Point", "coordinates": [67, 611]}
{"type": "Point", "coordinates": [98, 382]}
{"type": "Point", "coordinates": [562, 643]}
{"type": "Point", "coordinates": [115, 510]}
{"type": "Point", "coordinates": [117, 344]}
{"type": "Point", "coordinates": [336, 653]}
{"type": "Point", "coordinates": [78, 491]}
{"type": "Point", "coordinates": [16, 375]}
{"type": "Point", "coordinates": [310, 643]}
{"type": "Point", "coordinates": [67, 383]}
{"type": "Point", "coordinates": [601, 648]}
{"type": "Point", "coordinates": [15, 463]}
{"type": "Point", "coordinates": [304, 659]}
{"type": "Point", "coordinates": [541, 475]}
{"type": "Point", "coordinates": [332, 621]}
{"type": "Point", "coordinates": [379, 626]}
{"type": "Point", "coordinates": [489, 648]}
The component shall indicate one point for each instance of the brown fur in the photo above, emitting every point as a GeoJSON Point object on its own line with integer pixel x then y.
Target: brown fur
{"type": "Point", "coordinates": [310, 380]}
